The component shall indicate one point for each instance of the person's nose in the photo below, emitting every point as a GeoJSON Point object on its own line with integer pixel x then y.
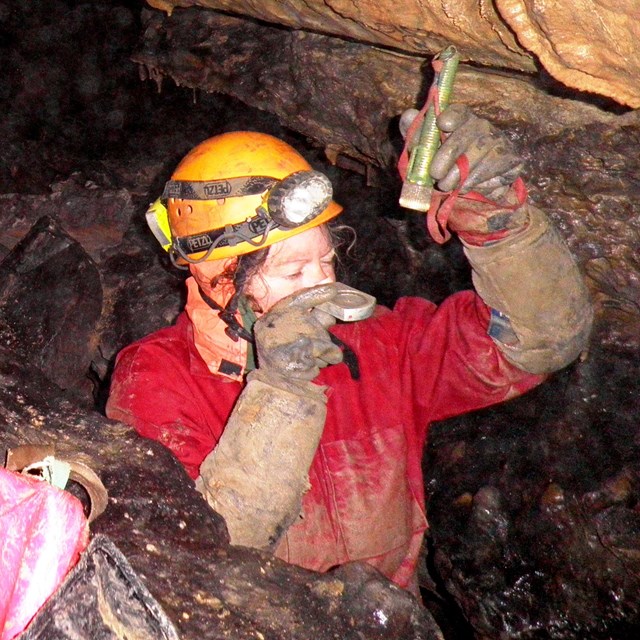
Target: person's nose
{"type": "Point", "coordinates": [321, 273]}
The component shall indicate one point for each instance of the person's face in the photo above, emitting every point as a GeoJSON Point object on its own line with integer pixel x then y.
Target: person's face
{"type": "Point", "coordinates": [299, 262]}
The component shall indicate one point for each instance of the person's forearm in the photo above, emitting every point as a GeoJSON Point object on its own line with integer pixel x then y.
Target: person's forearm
{"type": "Point", "coordinates": [257, 474]}
{"type": "Point", "coordinates": [533, 280]}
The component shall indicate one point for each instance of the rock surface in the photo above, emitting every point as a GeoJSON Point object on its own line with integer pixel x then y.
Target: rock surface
{"type": "Point", "coordinates": [590, 46]}
{"type": "Point", "coordinates": [534, 507]}
{"type": "Point", "coordinates": [49, 271]}
{"type": "Point", "coordinates": [585, 45]}
{"type": "Point", "coordinates": [95, 217]}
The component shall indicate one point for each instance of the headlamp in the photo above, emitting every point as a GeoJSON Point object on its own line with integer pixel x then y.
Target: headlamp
{"type": "Point", "coordinates": [288, 203]}
{"type": "Point", "coordinates": [299, 198]}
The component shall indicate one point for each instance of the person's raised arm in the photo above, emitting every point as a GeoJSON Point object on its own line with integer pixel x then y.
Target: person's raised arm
{"type": "Point", "coordinates": [541, 314]}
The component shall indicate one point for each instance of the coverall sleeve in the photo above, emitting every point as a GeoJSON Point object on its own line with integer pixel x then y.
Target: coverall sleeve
{"type": "Point", "coordinates": [150, 393]}
{"type": "Point", "coordinates": [452, 364]}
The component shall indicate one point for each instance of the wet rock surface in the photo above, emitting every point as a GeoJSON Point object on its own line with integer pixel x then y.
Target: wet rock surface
{"type": "Point", "coordinates": [597, 54]}
{"type": "Point", "coordinates": [48, 270]}
{"type": "Point", "coordinates": [92, 215]}
{"type": "Point", "coordinates": [533, 505]}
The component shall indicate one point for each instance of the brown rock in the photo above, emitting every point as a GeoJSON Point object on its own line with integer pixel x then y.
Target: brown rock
{"type": "Point", "coordinates": [93, 216]}
{"type": "Point", "coordinates": [586, 49]}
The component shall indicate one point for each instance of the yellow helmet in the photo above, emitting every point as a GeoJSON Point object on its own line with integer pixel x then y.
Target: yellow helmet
{"type": "Point", "coordinates": [238, 192]}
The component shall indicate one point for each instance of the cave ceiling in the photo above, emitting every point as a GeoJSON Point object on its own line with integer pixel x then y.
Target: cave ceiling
{"type": "Point", "coordinates": [588, 45]}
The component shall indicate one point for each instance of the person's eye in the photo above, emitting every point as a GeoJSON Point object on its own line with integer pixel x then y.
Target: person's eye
{"type": "Point", "coordinates": [293, 276]}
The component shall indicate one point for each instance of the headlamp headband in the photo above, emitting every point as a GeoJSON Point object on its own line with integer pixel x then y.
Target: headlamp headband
{"type": "Point", "coordinates": [217, 189]}
{"type": "Point", "coordinates": [253, 231]}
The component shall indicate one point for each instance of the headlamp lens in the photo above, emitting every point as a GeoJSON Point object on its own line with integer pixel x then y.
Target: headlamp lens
{"type": "Point", "coordinates": [299, 198]}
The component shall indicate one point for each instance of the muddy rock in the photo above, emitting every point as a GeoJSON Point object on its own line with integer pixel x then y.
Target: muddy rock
{"type": "Point", "coordinates": [597, 54]}
{"type": "Point", "coordinates": [534, 507]}
{"type": "Point", "coordinates": [94, 216]}
{"type": "Point", "coordinates": [50, 303]}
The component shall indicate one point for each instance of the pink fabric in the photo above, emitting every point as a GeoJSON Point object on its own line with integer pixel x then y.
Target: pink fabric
{"type": "Point", "coordinates": [43, 530]}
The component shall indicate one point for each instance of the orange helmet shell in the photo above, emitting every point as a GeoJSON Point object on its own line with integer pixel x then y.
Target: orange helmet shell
{"type": "Point", "coordinates": [234, 155]}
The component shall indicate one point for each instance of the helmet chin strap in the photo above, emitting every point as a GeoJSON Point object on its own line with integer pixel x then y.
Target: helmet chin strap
{"type": "Point", "coordinates": [234, 329]}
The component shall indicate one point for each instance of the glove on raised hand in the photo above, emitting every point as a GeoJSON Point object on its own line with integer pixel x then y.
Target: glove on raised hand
{"type": "Point", "coordinates": [292, 340]}
{"type": "Point", "coordinates": [492, 167]}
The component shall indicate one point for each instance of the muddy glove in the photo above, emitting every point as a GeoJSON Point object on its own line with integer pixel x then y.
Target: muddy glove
{"type": "Point", "coordinates": [292, 341]}
{"type": "Point", "coordinates": [541, 314]}
{"type": "Point", "coordinates": [257, 474]}
{"type": "Point", "coordinates": [487, 206]}
{"type": "Point", "coordinates": [493, 163]}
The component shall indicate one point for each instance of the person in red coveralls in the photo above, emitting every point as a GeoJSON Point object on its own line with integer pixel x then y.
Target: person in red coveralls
{"type": "Point", "coordinates": [254, 388]}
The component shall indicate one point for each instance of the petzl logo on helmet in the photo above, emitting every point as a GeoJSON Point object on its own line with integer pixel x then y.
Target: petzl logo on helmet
{"type": "Point", "coordinates": [218, 189]}
{"type": "Point", "coordinates": [198, 243]}
{"type": "Point", "coordinates": [258, 225]}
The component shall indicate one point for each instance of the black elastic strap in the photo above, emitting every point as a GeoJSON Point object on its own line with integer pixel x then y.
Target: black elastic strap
{"type": "Point", "coordinates": [217, 189]}
{"type": "Point", "coordinates": [234, 329]}
{"type": "Point", "coordinates": [229, 368]}
{"type": "Point", "coordinates": [349, 357]}
{"type": "Point", "coordinates": [254, 231]}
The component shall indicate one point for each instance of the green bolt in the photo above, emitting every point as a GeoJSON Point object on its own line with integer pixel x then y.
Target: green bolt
{"type": "Point", "coordinates": [418, 184]}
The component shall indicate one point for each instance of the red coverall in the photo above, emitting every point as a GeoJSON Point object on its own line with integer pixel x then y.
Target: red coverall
{"type": "Point", "coordinates": [418, 363]}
